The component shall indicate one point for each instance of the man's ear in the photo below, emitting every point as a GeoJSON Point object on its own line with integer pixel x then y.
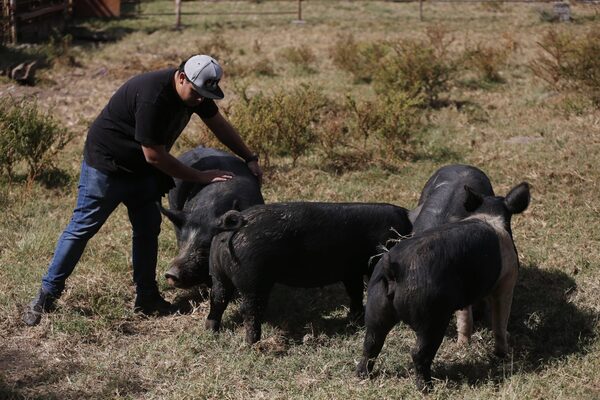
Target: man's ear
{"type": "Point", "coordinates": [180, 77]}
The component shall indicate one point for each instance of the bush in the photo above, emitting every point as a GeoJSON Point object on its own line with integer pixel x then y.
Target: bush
{"type": "Point", "coordinates": [359, 59]}
{"type": "Point", "coordinates": [570, 62]}
{"type": "Point", "coordinates": [416, 68]}
{"type": "Point", "coordinates": [552, 65]}
{"type": "Point", "coordinates": [487, 61]}
{"type": "Point", "coordinates": [302, 57]}
{"type": "Point", "coordinates": [391, 120]}
{"type": "Point", "coordinates": [30, 136]}
{"type": "Point", "coordinates": [281, 124]}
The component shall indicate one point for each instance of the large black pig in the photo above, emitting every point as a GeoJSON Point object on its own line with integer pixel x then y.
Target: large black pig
{"type": "Point", "coordinates": [424, 279]}
{"type": "Point", "coordinates": [195, 210]}
{"type": "Point", "coordinates": [299, 244]}
{"type": "Point", "coordinates": [443, 196]}
{"type": "Point", "coordinates": [442, 201]}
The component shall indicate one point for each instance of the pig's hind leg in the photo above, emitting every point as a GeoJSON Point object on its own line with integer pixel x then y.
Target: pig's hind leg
{"type": "Point", "coordinates": [355, 288]}
{"type": "Point", "coordinates": [220, 295]}
{"type": "Point", "coordinates": [430, 334]}
{"type": "Point", "coordinates": [253, 307]}
{"type": "Point", "coordinates": [380, 318]}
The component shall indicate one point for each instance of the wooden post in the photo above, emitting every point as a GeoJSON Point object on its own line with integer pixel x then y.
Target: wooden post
{"type": "Point", "coordinates": [299, 20]}
{"type": "Point", "coordinates": [12, 11]}
{"type": "Point", "coordinates": [177, 14]}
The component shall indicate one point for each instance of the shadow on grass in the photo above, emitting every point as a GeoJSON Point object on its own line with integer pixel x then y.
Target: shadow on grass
{"type": "Point", "coordinates": [24, 375]}
{"type": "Point", "coordinates": [105, 34]}
{"type": "Point", "coordinates": [313, 311]}
{"type": "Point", "coordinates": [54, 178]}
{"type": "Point", "coordinates": [298, 312]}
{"type": "Point", "coordinates": [543, 325]}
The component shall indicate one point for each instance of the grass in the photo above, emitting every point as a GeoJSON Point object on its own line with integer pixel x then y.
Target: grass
{"type": "Point", "coordinates": [93, 346]}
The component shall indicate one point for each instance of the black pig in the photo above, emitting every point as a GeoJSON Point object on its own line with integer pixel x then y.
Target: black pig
{"type": "Point", "coordinates": [424, 279]}
{"type": "Point", "coordinates": [300, 245]}
{"type": "Point", "coordinates": [442, 201]}
{"type": "Point", "coordinates": [195, 210]}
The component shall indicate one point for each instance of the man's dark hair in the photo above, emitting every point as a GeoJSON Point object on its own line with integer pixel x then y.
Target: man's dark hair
{"type": "Point", "coordinates": [180, 68]}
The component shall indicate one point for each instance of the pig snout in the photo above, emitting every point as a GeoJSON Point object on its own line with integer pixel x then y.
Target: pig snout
{"type": "Point", "coordinates": [173, 276]}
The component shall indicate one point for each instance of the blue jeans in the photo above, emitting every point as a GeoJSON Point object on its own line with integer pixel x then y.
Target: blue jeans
{"type": "Point", "coordinates": [98, 196]}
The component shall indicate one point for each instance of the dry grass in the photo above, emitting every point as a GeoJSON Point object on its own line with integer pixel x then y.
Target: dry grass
{"type": "Point", "coordinates": [519, 129]}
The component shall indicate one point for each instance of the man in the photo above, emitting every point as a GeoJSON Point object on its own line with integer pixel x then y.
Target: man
{"type": "Point", "coordinates": [127, 160]}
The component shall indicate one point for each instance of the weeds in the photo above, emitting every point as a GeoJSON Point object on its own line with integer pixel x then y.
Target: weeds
{"type": "Point", "coordinates": [359, 59]}
{"type": "Point", "coordinates": [487, 61]}
{"type": "Point", "coordinates": [280, 124]}
{"type": "Point", "coordinates": [417, 69]}
{"type": "Point", "coordinates": [570, 62]}
{"type": "Point", "coordinates": [392, 119]}
{"type": "Point", "coordinates": [28, 135]}
{"type": "Point", "coordinates": [302, 57]}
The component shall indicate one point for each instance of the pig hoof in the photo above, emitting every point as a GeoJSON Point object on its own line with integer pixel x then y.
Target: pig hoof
{"type": "Point", "coordinates": [423, 385]}
{"type": "Point", "coordinates": [463, 340]}
{"type": "Point", "coordinates": [500, 353]}
{"type": "Point", "coordinates": [362, 371]}
{"type": "Point", "coordinates": [212, 325]}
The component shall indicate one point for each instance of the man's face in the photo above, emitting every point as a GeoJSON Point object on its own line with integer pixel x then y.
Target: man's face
{"type": "Point", "coordinates": [186, 91]}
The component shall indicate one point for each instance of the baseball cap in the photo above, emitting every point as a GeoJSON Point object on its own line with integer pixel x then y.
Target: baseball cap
{"type": "Point", "coordinates": [204, 73]}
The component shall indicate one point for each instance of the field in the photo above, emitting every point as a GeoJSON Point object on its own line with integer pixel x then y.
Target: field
{"type": "Point", "coordinates": [514, 126]}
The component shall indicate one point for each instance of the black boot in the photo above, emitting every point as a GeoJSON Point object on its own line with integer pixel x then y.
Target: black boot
{"type": "Point", "coordinates": [44, 302]}
{"type": "Point", "coordinates": [151, 304]}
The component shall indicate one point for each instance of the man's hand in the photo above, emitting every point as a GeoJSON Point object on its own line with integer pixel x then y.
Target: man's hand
{"type": "Point", "coordinates": [159, 157]}
{"type": "Point", "coordinates": [214, 175]}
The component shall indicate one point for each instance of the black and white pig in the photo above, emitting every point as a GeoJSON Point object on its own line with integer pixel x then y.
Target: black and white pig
{"type": "Point", "coordinates": [299, 244]}
{"type": "Point", "coordinates": [195, 210]}
{"type": "Point", "coordinates": [442, 200]}
{"type": "Point", "coordinates": [424, 279]}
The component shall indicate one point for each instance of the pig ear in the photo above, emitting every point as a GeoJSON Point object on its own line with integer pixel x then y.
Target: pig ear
{"type": "Point", "coordinates": [517, 200]}
{"type": "Point", "coordinates": [232, 220]}
{"type": "Point", "coordinates": [178, 218]}
{"type": "Point", "coordinates": [473, 200]}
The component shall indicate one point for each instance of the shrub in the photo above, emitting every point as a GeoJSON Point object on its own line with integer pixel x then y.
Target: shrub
{"type": "Point", "coordinates": [392, 120]}
{"type": "Point", "coordinates": [333, 131]}
{"type": "Point", "coordinates": [552, 65]}
{"type": "Point", "coordinates": [29, 135]}
{"type": "Point", "coordinates": [59, 50]}
{"type": "Point", "coordinates": [570, 62]}
{"type": "Point", "coordinates": [280, 124]}
{"type": "Point", "coordinates": [359, 59]}
{"type": "Point", "coordinates": [302, 57]}
{"type": "Point", "coordinates": [416, 68]}
{"type": "Point", "coordinates": [487, 61]}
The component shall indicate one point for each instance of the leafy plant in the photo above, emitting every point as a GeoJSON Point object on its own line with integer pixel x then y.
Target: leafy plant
{"type": "Point", "coordinates": [487, 61]}
{"type": "Point", "coordinates": [552, 65]}
{"type": "Point", "coordinates": [391, 120]}
{"type": "Point", "coordinates": [416, 68]}
{"type": "Point", "coordinates": [28, 135]}
{"type": "Point", "coordinates": [570, 62]}
{"type": "Point", "coordinates": [280, 124]}
{"type": "Point", "coordinates": [302, 57]}
{"type": "Point", "coordinates": [359, 59]}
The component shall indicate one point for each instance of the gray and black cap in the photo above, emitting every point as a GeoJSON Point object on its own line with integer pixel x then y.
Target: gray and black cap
{"type": "Point", "coordinates": [204, 73]}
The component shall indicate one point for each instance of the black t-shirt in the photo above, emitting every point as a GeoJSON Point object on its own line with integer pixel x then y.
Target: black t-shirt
{"type": "Point", "coordinates": [145, 110]}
